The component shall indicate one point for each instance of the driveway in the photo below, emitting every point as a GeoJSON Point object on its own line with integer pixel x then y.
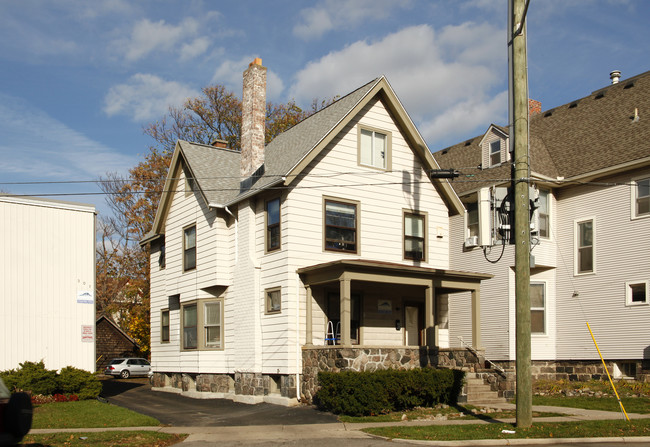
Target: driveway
{"type": "Point", "coordinates": [175, 410]}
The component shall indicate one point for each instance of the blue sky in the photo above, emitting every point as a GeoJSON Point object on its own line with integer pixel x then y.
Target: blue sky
{"type": "Point", "coordinates": [80, 79]}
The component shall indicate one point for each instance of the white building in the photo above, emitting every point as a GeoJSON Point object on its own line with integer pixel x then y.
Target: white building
{"type": "Point", "coordinates": [47, 283]}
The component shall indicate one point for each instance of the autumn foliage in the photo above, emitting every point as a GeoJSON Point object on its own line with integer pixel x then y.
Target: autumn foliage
{"type": "Point", "coordinates": [122, 264]}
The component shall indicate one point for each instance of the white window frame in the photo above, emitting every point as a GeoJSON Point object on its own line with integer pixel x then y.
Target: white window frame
{"type": "Point", "coordinates": [544, 308]}
{"type": "Point", "coordinates": [476, 222]}
{"type": "Point", "coordinates": [548, 213]}
{"type": "Point", "coordinates": [576, 246]}
{"type": "Point", "coordinates": [386, 166]}
{"type": "Point", "coordinates": [628, 293]}
{"type": "Point", "coordinates": [634, 197]}
{"type": "Point", "coordinates": [268, 300]}
{"type": "Point", "coordinates": [206, 324]}
{"type": "Point", "coordinates": [491, 145]}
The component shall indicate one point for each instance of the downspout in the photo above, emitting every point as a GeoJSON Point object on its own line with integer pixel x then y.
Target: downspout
{"type": "Point", "coordinates": [299, 350]}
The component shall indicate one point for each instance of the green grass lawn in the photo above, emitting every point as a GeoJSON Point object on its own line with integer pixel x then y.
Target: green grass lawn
{"type": "Point", "coordinates": [121, 438]}
{"type": "Point", "coordinates": [582, 429]}
{"type": "Point", "coordinates": [631, 404]}
{"type": "Point", "coordinates": [450, 412]}
{"type": "Point", "coordinates": [88, 414]}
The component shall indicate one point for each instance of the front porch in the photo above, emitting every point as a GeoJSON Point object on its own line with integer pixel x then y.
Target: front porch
{"type": "Point", "coordinates": [370, 303]}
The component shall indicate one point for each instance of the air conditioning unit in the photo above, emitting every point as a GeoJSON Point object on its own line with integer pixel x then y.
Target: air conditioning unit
{"type": "Point", "coordinates": [471, 241]}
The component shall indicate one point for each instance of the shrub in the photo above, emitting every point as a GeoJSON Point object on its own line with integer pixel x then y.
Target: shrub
{"type": "Point", "coordinates": [73, 380]}
{"type": "Point", "coordinates": [369, 393]}
{"type": "Point", "coordinates": [34, 378]}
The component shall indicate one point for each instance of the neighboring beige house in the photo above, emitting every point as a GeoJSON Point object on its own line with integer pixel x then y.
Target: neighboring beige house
{"type": "Point", "coordinates": [328, 249]}
{"type": "Point", "coordinates": [590, 176]}
{"type": "Point", "coordinates": [47, 283]}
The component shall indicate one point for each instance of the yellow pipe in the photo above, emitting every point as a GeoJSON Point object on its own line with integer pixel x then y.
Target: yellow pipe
{"type": "Point", "coordinates": [608, 376]}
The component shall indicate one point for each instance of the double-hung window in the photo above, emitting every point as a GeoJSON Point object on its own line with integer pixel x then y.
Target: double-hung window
{"type": "Point", "coordinates": [642, 198]}
{"type": "Point", "coordinates": [202, 324]}
{"type": "Point", "coordinates": [537, 308]}
{"type": "Point", "coordinates": [414, 236]}
{"type": "Point", "coordinates": [544, 214]}
{"type": "Point", "coordinates": [585, 246]}
{"type": "Point", "coordinates": [212, 333]}
{"type": "Point", "coordinates": [190, 332]}
{"type": "Point", "coordinates": [164, 326]}
{"type": "Point", "coordinates": [495, 153]}
{"type": "Point", "coordinates": [189, 248]}
{"type": "Point", "coordinates": [341, 226]}
{"type": "Point", "coordinates": [472, 219]}
{"type": "Point", "coordinates": [273, 238]}
{"type": "Point", "coordinates": [374, 148]}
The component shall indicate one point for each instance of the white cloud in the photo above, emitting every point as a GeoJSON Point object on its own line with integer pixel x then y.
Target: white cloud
{"type": "Point", "coordinates": [229, 73]}
{"type": "Point", "coordinates": [38, 146]}
{"type": "Point", "coordinates": [195, 48]}
{"type": "Point", "coordinates": [341, 14]}
{"type": "Point", "coordinates": [430, 71]}
{"type": "Point", "coordinates": [146, 97]}
{"type": "Point", "coordinates": [148, 36]}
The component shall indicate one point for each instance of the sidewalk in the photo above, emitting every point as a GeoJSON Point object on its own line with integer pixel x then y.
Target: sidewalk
{"type": "Point", "coordinates": [207, 436]}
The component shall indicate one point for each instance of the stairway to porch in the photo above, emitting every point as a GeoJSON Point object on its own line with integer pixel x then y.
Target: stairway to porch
{"type": "Point", "coordinates": [477, 391]}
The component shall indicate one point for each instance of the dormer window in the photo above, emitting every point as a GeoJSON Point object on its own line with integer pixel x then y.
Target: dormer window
{"type": "Point", "coordinates": [495, 153]}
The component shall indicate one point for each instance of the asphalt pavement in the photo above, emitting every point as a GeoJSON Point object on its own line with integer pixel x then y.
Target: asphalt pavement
{"type": "Point", "coordinates": [221, 422]}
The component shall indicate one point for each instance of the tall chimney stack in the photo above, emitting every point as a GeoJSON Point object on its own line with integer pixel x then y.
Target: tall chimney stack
{"type": "Point", "coordinates": [534, 107]}
{"type": "Point", "coordinates": [253, 118]}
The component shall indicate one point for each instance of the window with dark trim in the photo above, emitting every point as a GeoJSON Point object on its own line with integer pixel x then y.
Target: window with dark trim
{"type": "Point", "coordinates": [273, 300]}
{"type": "Point", "coordinates": [341, 233]}
{"type": "Point", "coordinates": [374, 148]}
{"type": "Point", "coordinates": [202, 323]}
{"type": "Point", "coordinates": [273, 230]}
{"type": "Point", "coordinates": [414, 236]}
{"type": "Point", "coordinates": [190, 340]}
{"type": "Point", "coordinates": [164, 326]}
{"type": "Point", "coordinates": [189, 248]}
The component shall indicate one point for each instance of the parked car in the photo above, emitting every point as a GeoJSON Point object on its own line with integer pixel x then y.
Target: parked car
{"type": "Point", "coordinates": [15, 415]}
{"type": "Point", "coordinates": [127, 367]}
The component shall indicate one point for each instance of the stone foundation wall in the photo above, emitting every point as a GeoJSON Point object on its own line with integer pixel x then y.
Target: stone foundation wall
{"type": "Point", "coordinates": [576, 370]}
{"type": "Point", "coordinates": [244, 384]}
{"type": "Point", "coordinates": [337, 359]}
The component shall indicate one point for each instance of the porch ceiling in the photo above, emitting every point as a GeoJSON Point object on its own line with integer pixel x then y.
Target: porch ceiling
{"type": "Point", "coordinates": [387, 272]}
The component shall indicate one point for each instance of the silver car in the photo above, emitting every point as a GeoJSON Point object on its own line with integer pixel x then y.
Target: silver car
{"type": "Point", "coordinates": [127, 367]}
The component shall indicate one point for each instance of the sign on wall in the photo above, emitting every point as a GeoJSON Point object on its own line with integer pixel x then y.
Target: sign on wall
{"type": "Point", "coordinates": [87, 333]}
{"type": "Point", "coordinates": [85, 297]}
{"type": "Point", "coordinates": [384, 306]}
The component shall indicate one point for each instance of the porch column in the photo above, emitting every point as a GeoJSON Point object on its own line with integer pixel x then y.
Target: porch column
{"type": "Point", "coordinates": [476, 319]}
{"type": "Point", "coordinates": [429, 316]}
{"type": "Point", "coordinates": [344, 284]}
{"type": "Point", "coordinates": [308, 323]}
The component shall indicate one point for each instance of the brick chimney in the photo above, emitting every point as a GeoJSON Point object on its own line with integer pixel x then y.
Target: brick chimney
{"type": "Point", "coordinates": [253, 118]}
{"type": "Point", "coordinates": [534, 107]}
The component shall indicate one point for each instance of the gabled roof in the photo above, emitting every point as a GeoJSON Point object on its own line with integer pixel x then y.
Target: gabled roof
{"type": "Point", "coordinates": [119, 329]}
{"type": "Point", "coordinates": [216, 171]}
{"type": "Point", "coordinates": [592, 136]}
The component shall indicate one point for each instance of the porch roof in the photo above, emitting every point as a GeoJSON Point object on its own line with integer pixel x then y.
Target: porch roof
{"type": "Point", "coordinates": [389, 272]}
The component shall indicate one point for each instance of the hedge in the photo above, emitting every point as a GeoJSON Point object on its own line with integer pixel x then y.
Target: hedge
{"type": "Point", "coordinates": [371, 393]}
{"type": "Point", "coordinates": [34, 378]}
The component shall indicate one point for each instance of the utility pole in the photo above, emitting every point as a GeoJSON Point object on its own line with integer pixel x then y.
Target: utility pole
{"type": "Point", "coordinates": [520, 178]}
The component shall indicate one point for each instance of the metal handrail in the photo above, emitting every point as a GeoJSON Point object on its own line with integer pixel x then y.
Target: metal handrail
{"type": "Point", "coordinates": [475, 352]}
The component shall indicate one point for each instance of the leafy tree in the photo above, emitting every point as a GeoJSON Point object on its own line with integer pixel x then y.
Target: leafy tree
{"type": "Point", "coordinates": [122, 265]}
